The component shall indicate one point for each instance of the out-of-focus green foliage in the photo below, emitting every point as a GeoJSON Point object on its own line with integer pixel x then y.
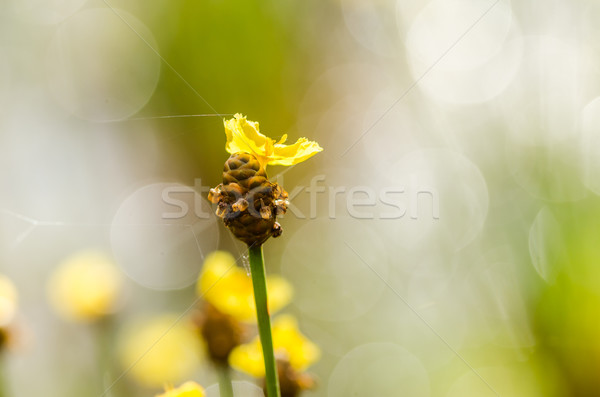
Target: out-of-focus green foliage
{"type": "Point", "coordinates": [251, 57]}
{"type": "Point", "coordinates": [567, 312]}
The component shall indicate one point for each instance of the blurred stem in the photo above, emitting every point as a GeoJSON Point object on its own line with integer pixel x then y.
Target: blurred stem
{"type": "Point", "coordinates": [225, 386]}
{"type": "Point", "coordinates": [3, 385]}
{"type": "Point", "coordinates": [103, 331]}
{"type": "Point", "coordinates": [259, 281]}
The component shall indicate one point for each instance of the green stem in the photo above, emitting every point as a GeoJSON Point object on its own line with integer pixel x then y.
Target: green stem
{"type": "Point", "coordinates": [259, 281]}
{"type": "Point", "coordinates": [3, 382]}
{"type": "Point", "coordinates": [103, 330]}
{"type": "Point", "coordinates": [225, 386]}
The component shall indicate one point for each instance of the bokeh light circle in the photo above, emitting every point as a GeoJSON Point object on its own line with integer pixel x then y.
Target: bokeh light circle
{"type": "Point", "coordinates": [446, 199]}
{"type": "Point", "coordinates": [470, 86]}
{"type": "Point", "coordinates": [98, 66]}
{"type": "Point", "coordinates": [469, 68]}
{"type": "Point", "coordinates": [161, 233]}
{"type": "Point", "coordinates": [334, 265]}
{"type": "Point", "coordinates": [394, 135]}
{"type": "Point", "coordinates": [442, 24]}
{"type": "Point", "coordinates": [556, 79]}
{"type": "Point", "coordinates": [372, 25]}
{"type": "Point", "coordinates": [379, 369]}
{"type": "Point", "coordinates": [333, 107]}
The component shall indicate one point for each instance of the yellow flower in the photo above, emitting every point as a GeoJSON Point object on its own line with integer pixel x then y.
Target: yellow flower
{"type": "Point", "coordinates": [288, 343]}
{"type": "Point", "coordinates": [85, 287]}
{"type": "Point", "coordinates": [8, 301]}
{"type": "Point", "coordinates": [188, 389]}
{"type": "Point", "coordinates": [159, 350]}
{"type": "Point", "coordinates": [229, 289]}
{"type": "Point", "coordinates": [244, 136]}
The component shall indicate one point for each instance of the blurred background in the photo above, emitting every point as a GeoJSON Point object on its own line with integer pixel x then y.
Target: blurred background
{"type": "Point", "coordinates": [487, 285]}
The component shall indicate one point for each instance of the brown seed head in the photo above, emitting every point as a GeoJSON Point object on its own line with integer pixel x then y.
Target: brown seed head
{"type": "Point", "coordinates": [291, 383]}
{"type": "Point", "coordinates": [221, 333]}
{"type": "Point", "coordinates": [247, 201]}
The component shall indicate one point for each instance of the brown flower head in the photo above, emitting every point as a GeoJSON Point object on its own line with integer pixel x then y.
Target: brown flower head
{"type": "Point", "coordinates": [248, 203]}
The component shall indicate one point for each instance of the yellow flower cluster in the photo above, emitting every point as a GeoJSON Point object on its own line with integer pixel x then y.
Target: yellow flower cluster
{"type": "Point", "coordinates": [228, 288]}
{"type": "Point", "coordinates": [288, 343]}
{"type": "Point", "coordinates": [85, 287]}
{"type": "Point", "coordinates": [244, 136]}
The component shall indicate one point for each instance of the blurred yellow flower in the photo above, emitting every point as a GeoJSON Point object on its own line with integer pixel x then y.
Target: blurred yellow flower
{"type": "Point", "coordinates": [85, 287]}
{"type": "Point", "coordinates": [160, 350]}
{"type": "Point", "coordinates": [289, 344]}
{"type": "Point", "coordinates": [229, 289]}
{"type": "Point", "coordinates": [188, 389]}
{"type": "Point", "coordinates": [8, 301]}
{"type": "Point", "coordinates": [244, 136]}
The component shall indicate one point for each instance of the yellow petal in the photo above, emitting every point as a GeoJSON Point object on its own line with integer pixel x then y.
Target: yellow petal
{"type": "Point", "coordinates": [296, 153]}
{"type": "Point", "coordinates": [282, 140]}
{"type": "Point", "coordinates": [287, 342]}
{"type": "Point", "coordinates": [8, 301]}
{"type": "Point", "coordinates": [279, 293]}
{"type": "Point", "coordinates": [287, 338]}
{"type": "Point", "coordinates": [228, 288]}
{"type": "Point", "coordinates": [248, 359]}
{"type": "Point", "coordinates": [244, 136]}
{"type": "Point", "coordinates": [217, 266]}
{"type": "Point", "coordinates": [159, 350]}
{"type": "Point", "coordinates": [85, 287]}
{"type": "Point", "coordinates": [188, 389]}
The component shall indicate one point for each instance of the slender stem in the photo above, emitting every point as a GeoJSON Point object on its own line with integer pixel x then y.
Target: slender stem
{"type": "Point", "coordinates": [102, 359]}
{"type": "Point", "coordinates": [225, 386]}
{"type": "Point", "coordinates": [103, 330]}
{"type": "Point", "coordinates": [3, 386]}
{"type": "Point", "coordinates": [259, 281]}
